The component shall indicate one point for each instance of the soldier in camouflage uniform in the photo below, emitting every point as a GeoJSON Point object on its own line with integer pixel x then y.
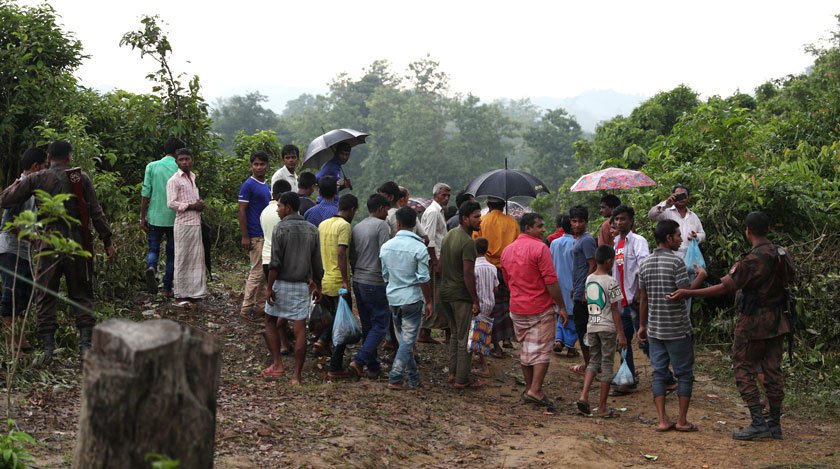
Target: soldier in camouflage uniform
{"type": "Point", "coordinates": [77, 271]}
{"type": "Point", "coordinates": [760, 278]}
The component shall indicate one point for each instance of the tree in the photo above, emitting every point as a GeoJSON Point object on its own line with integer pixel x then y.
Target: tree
{"type": "Point", "coordinates": [242, 114]}
{"type": "Point", "coordinates": [551, 142]}
{"type": "Point", "coordinates": [37, 60]}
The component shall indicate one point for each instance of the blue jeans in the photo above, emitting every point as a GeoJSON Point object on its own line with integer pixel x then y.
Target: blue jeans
{"type": "Point", "coordinates": [630, 322]}
{"type": "Point", "coordinates": [407, 319]}
{"type": "Point", "coordinates": [678, 353]}
{"type": "Point", "coordinates": [156, 234]}
{"type": "Point", "coordinates": [15, 299]}
{"type": "Point", "coordinates": [376, 317]}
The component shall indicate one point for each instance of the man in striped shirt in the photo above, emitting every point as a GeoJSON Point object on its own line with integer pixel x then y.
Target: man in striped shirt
{"type": "Point", "coordinates": [666, 324]}
{"type": "Point", "coordinates": [182, 197]}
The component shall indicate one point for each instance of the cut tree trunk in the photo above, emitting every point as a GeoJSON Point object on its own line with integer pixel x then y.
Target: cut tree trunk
{"type": "Point", "coordinates": [148, 388]}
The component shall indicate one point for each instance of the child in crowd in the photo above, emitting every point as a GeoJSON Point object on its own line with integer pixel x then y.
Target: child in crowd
{"type": "Point", "coordinates": [602, 298]}
{"type": "Point", "coordinates": [486, 285]}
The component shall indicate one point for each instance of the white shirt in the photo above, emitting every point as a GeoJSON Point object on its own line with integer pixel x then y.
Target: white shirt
{"type": "Point", "coordinates": [434, 224]}
{"type": "Point", "coordinates": [687, 224]}
{"type": "Point", "coordinates": [268, 220]}
{"type": "Point", "coordinates": [284, 173]}
{"type": "Point", "coordinates": [635, 251]}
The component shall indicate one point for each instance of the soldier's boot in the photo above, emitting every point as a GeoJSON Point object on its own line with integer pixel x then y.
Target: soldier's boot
{"type": "Point", "coordinates": [48, 343]}
{"type": "Point", "coordinates": [14, 335]}
{"type": "Point", "coordinates": [774, 422]}
{"type": "Point", "coordinates": [85, 341]}
{"type": "Point", "coordinates": [758, 429]}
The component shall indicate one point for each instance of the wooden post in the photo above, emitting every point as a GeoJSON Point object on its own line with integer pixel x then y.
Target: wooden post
{"type": "Point", "coordinates": [148, 387]}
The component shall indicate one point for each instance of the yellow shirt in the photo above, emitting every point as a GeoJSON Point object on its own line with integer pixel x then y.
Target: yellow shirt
{"type": "Point", "coordinates": [333, 232]}
{"type": "Point", "coordinates": [499, 230]}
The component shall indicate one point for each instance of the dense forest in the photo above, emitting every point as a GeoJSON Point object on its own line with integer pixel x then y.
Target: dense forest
{"type": "Point", "coordinates": [776, 149]}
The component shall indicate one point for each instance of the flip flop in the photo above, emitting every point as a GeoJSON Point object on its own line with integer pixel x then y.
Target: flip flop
{"type": "Point", "coordinates": [610, 415]}
{"type": "Point", "coordinates": [396, 387]}
{"type": "Point", "coordinates": [578, 369]}
{"type": "Point", "coordinates": [583, 407]}
{"type": "Point", "coordinates": [550, 405]}
{"type": "Point", "coordinates": [690, 428]}
{"type": "Point", "coordinates": [476, 383]}
{"type": "Point", "coordinates": [271, 373]}
{"type": "Point", "coordinates": [670, 427]}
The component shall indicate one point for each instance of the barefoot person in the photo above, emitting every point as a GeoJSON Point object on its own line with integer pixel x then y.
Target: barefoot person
{"type": "Point", "coordinates": [666, 325]}
{"type": "Point", "coordinates": [486, 286]}
{"type": "Point", "coordinates": [760, 279]}
{"type": "Point", "coordinates": [535, 299]}
{"type": "Point", "coordinates": [295, 261]}
{"type": "Point", "coordinates": [603, 295]}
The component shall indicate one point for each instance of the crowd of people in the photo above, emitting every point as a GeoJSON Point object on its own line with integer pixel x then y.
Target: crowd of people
{"type": "Point", "coordinates": [422, 277]}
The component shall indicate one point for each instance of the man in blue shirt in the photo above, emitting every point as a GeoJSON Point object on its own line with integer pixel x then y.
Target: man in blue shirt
{"type": "Point", "coordinates": [583, 255]}
{"type": "Point", "coordinates": [405, 267]}
{"type": "Point", "coordinates": [333, 166]}
{"type": "Point", "coordinates": [254, 196]}
{"type": "Point", "coordinates": [561, 254]}
{"type": "Point", "coordinates": [327, 207]}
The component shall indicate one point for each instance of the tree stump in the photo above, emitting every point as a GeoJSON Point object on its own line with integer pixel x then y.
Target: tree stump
{"type": "Point", "coordinates": [148, 387]}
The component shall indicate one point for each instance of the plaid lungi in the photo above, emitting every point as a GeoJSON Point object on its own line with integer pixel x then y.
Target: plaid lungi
{"type": "Point", "coordinates": [535, 334]}
{"type": "Point", "coordinates": [502, 325]}
{"type": "Point", "coordinates": [291, 300]}
{"type": "Point", "coordinates": [189, 280]}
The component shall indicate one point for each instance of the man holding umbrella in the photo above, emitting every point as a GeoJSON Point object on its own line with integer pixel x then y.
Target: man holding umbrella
{"type": "Point", "coordinates": [333, 166]}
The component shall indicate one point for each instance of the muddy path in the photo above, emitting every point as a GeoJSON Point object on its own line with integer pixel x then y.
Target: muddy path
{"type": "Point", "coordinates": [362, 424]}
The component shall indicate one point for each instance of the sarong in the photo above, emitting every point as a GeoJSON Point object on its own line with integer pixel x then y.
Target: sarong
{"type": "Point", "coordinates": [535, 334]}
{"type": "Point", "coordinates": [502, 325]}
{"type": "Point", "coordinates": [190, 280]}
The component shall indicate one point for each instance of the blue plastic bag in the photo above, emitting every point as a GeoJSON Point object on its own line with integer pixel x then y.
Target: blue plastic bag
{"type": "Point", "coordinates": [624, 377]}
{"type": "Point", "coordinates": [346, 328]}
{"type": "Point", "coordinates": [693, 258]}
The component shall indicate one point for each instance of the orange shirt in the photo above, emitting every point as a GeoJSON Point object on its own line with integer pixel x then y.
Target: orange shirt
{"type": "Point", "coordinates": [500, 230]}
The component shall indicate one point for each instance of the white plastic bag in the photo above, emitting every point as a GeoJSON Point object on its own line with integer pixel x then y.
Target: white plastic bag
{"type": "Point", "coordinates": [346, 328]}
{"type": "Point", "coordinates": [624, 377]}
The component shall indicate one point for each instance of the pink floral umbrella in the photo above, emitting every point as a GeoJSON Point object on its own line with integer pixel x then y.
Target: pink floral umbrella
{"type": "Point", "coordinates": [612, 178]}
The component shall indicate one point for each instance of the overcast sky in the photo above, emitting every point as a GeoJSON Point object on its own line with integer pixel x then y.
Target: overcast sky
{"type": "Point", "coordinates": [490, 48]}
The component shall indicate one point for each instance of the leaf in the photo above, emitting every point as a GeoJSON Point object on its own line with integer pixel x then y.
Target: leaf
{"type": "Point", "coordinates": [651, 457]}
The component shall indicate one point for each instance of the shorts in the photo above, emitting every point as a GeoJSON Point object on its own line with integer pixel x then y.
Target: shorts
{"type": "Point", "coordinates": [602, 354]}
{"type": "Point", "coordinates": [291, 301]}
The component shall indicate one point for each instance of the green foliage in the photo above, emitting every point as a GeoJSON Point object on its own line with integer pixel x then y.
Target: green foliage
{"type": "Point", "coordinates": [242, 114]}
{"type": "Point", "coordinates": [161, 461]}
{"type": "Point", "coordinates": [551, 141]}
{"type": "Point", "coordinates": [36, 77]}
{"type": "Point", "coordinates": [13, 447]}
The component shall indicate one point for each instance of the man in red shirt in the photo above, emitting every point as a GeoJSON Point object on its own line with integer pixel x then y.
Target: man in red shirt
{"type": "Point", "coordinates": [535, 299]}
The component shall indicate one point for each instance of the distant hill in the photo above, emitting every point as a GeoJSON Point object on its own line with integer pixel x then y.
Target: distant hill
{"type": "Point", "coordinates": [593, 106]}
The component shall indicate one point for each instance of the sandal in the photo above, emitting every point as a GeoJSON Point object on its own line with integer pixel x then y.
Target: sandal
{"type": "Point", "coordinates": [578, 369]}
{"type": "Point", "coordinates": [475, 383]}
{"type": "Point", "coordinates": [612, 414]}
{"type": "Point", "coordinates": [272, 373]}
{"type": "Point", "coordinates": [397, 387]}
{"type": "Point", "coordinates": [690, 428]}
{"type": "Point", "coordinates": [544, 402]}
{"type": "Point", "coordinates": [250, 317]}
{"type": "Point", "coordinates": [670, 427]}
{"type": "Point", "coordinates": [355, 371]}
{"type": "Point", "coordinates": [571, 353]}
{"type": "Point", "coordinates": [583, 408]}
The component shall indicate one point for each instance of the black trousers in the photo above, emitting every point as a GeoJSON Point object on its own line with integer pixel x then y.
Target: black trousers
{"type": "Point", "coordinates": [77, 273]}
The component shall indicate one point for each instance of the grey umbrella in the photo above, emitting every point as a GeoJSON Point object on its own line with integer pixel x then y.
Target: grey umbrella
{"type": "Point", "coordinates": [320, 150]}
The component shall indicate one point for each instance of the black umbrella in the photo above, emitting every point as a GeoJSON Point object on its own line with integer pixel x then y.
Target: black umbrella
{"type": "Point", "coordinates": [321, 149]}
{"type": "Point", "coordinates": [506, 183]}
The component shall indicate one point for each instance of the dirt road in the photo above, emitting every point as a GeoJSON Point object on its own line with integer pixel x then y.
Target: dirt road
{"type": "Point", "coordinates": [362, 424]}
